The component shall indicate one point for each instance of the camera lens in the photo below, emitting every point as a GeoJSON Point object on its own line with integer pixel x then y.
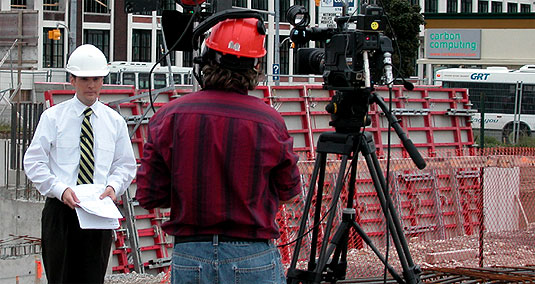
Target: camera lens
{"type": "Point", "coordinates": [298, 16]}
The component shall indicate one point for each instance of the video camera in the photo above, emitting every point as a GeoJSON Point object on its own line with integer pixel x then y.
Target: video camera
{"type": "Point", "coordinates": [351, 62]}
{"type": "Point", "coordinates": [341, 62]}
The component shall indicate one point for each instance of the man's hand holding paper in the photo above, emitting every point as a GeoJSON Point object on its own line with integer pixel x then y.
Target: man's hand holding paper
{"type": "Point", "coordinates": [96, 213]}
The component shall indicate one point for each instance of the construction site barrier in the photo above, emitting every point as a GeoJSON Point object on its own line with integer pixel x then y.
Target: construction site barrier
{"type": "Point", "coordinates": [469, 207]}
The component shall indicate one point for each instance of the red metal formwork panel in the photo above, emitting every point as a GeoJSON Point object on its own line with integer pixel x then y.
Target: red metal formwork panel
{"type": "Point", "coordinates": [303, 110]}
{"type": "Point", "coordinates": [316, 100]}
{"type": "Point", "coordinates": [369, 213]}
{"type": "Point", "coordinates": [289, 101]}
{"type": "Point", "coordinates": [121, 251]}
{"type": "Point", "coordinates": [433, 118]}
{"type": "Point", "coordinates": [468, 181]}
{"type": "Point", "coordinates": [449, 198]}
{"type": "Point", "coordinates": [153, 243]}
{"type": "Point", "coordinates": [419, 204]}
{"type": "Point", "coordinates": [290, 216]}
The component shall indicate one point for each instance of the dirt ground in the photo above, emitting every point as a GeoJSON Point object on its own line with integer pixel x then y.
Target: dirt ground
{"type": "Point", "coordinates": [499, 249]}
{"type": "Point", "coordinates": [514, 249]}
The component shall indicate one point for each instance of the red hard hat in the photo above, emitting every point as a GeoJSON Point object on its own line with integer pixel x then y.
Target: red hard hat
{"type": "Point", "coordinates": [240, 37]}
{"type": "Point", "coordinates": [192, 2]}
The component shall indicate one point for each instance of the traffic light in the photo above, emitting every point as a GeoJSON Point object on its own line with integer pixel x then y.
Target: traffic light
{"type": "Point", "coordinates": [54, 34]}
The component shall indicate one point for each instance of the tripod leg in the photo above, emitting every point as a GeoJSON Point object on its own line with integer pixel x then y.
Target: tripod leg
{"type": "Point", "coordinates": [317, 214]}
{"type": "Point", "coordinates": [319, 167]}
{"type": "Point", "coordinates": [323, 256]}
{"type": "Point", "coordinates": [410, 271]}
{"type": "Point", "coordinates": [413, 271]}
{"type": "Point", "coordinates": [340, 254]}
{"type": "Point", "coordinates": [342, 232]}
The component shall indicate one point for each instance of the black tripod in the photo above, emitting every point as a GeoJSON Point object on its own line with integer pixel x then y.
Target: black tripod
{"type": "Point", "coordinates": [333, 269]}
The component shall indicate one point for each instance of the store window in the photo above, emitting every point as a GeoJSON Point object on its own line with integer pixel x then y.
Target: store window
{"type": "Point", "coordinates": [284, 6]}
{"type": "Point", "coordinates": [166, 5]}
{"type": "Point", "coordinates": [187, 58]}
{"type": "Point", "coordinates": [239, 3]}
{"type": "Point", "coordinates": [261, 5]}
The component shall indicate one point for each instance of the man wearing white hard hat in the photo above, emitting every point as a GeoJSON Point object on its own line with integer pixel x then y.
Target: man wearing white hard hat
{"type": "Point", "coordinates": [77, 142]}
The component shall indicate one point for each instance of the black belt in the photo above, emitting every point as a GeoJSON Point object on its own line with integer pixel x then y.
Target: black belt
{"type": "Point", "coordinates": [213, 238]}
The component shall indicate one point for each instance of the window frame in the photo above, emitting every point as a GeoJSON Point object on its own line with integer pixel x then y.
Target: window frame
{"type": "Point", "coordinates": [100, 39]}
{"type": "Point", "coordinates": [97, 7]}
{"type": "Point", "coordinates": [451, 6]}
{"type": "Point", "coordinates": [496, 7]}
{"type": "Point", "coordinates": [431, 6]}
{"type": "Point", "coordinates": [483, 4]}
{"type": "Point", "coordinates": [53, 50]}
{"type": "Point", "coordinates": [141, 45]}
{"type": "Point", "coordinates": [466, 6]}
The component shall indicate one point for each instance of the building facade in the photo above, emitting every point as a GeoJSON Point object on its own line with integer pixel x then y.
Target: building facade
{"type": "Point", "coordinates": [476, 34]}
{"type": "Point", "coordinates": [122, 36]}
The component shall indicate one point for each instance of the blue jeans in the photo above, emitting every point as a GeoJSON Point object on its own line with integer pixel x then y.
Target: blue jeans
{"type": "Point", "coordinates": [226, 262]}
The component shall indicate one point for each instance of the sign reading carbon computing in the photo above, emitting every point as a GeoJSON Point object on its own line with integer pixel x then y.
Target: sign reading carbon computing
{"type": "Point", "coordinates": [453, 43]}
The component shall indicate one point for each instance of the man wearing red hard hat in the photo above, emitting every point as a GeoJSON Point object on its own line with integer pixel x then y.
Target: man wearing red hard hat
{"type": "Point", "coordinates": [223, 161]}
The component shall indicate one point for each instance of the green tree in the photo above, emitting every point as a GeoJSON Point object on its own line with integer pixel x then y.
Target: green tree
{"type": "Point", "coordinates": [405, 20]}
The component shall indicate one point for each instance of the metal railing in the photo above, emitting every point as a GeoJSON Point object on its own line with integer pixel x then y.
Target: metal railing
{"type": "Point", "coordinates": [24, 119]}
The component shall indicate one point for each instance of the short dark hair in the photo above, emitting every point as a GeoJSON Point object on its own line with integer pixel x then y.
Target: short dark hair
{"type": "Point", "coordinates": [218, 77]}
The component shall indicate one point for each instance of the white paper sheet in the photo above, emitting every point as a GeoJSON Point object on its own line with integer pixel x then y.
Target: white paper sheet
{"type": "Point", "coordinates": [90, 221]}
{"type": "Point", "coordinates": [95, 213]}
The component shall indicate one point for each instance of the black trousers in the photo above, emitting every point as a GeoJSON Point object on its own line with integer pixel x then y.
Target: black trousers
{"type": "Point", "coordinates": [70, 254]}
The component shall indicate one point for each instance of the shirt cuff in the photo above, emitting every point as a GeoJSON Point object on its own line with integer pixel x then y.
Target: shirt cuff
{"type": "Point", "coordinates": [116, 187]}
{"type": "Point", "coordinates": [289, 194]}
{"type": "Point", "coordinates": [58, 189]}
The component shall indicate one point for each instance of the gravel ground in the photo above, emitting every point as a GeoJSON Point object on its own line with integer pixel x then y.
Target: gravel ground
{"type": "Point", "coordinates": [500, 249]}
{"type": "Point", "coordinates": [135, 278]}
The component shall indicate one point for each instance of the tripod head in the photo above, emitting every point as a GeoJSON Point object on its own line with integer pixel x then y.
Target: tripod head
{"type": "Point", "coordinates": [349, 109]}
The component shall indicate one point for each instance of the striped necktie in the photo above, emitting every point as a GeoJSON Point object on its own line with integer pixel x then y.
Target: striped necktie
{"type": "Point", "coordinates": [87, 161]}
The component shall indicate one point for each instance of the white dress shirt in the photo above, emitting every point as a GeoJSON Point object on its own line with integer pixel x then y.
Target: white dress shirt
{"type": "Point", "coordinates": [52, 159]}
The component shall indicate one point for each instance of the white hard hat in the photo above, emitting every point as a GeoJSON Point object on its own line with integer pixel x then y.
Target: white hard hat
{"type": "Point", "coordinates": [87, 61]}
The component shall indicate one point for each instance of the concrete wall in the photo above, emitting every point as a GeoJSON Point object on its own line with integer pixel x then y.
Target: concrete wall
{"type": "Point", "coordinates": [21, 269]}
{"type": "Point", "coordinates": [19, 218]}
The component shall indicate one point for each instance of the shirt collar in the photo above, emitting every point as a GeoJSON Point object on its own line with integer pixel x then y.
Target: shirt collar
{"type": "Point", "coordinates": [79, 107]}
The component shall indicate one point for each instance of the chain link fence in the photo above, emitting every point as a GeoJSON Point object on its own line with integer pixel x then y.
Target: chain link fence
{"type": "Point", "coordinates": [466, 208]}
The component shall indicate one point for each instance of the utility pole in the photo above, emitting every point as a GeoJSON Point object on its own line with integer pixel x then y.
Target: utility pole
{"type": "Point", "coordinates": [276, 58]}
{"type": "Point", "coordinates": [73, 22]}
